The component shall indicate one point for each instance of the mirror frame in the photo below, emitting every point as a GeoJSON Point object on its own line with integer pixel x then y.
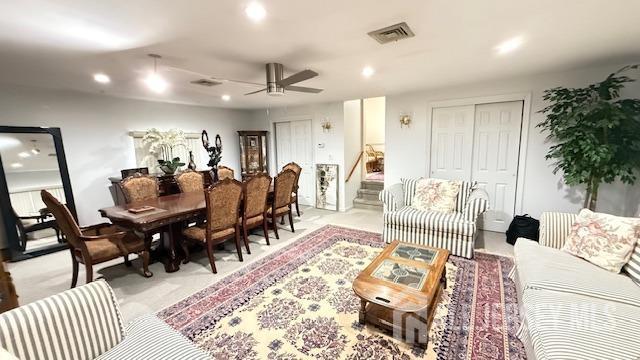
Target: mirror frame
{"type": "Point", "coordinates": [16, 254]}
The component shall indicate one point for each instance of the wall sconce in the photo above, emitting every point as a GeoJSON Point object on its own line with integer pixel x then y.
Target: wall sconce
{"type": "Point", "coordinates": [405, 120]}
{"type": "Point", "coordinates": [326, 126]}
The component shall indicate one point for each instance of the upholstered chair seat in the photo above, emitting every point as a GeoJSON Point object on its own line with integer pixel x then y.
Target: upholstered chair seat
{"type": "Point", "coordinates": [190, 181]}
{"type": "Point", "coordinates": [95, 244]}
{"type": "Point", "coordinates": [279, 211]}
{"type": "Point", "coordinates": [223, 202]}
{"type": "Point", "coordinates": [254, 220]}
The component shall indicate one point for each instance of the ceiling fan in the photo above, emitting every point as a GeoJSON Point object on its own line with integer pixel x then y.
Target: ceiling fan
{"type": "Point", "coordinates": [275, 84]}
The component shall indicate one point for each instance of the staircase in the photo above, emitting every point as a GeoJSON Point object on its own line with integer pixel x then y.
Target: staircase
{"type": "Point", "coordinates": [368, 195]}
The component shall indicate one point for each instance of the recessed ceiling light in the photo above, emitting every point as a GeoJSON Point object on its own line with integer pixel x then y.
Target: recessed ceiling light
{"type": "Point", "coordinates": [509, 45]}
{"type": "Point", "coordinates": [368, 71]}
{"type": "Point", "coordinates": [16, 165]}
{"type": "Point", "coordinates": [101, 78]}
{"type": "Point", "coordinates": [255, 11]}
{"type": "Point", "coordinates": [226, 97]}
{"type": "Point", "coordinates": [24, 154]}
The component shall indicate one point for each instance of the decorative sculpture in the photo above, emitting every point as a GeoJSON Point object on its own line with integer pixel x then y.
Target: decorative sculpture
{"type": "Point", "coordinates": [215, 153]}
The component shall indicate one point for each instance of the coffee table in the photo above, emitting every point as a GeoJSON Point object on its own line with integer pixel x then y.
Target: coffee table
{"type": "Point", "coordinates": [399, 290]}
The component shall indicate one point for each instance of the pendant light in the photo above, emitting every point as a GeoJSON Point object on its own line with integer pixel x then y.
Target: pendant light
{"type": "Point", "coordinates": [155, 82]}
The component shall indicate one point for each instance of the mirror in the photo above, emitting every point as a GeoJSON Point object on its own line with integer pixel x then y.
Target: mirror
{"type": "Point", "coordinates": [32, 160]}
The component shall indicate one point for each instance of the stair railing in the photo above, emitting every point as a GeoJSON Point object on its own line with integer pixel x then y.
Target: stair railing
{"type": "Point", "coordinates": [353, 168]}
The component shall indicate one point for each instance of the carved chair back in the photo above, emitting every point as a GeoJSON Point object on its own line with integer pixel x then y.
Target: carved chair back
{"type": "Point", "coordinates": [140, 188]}
{"type": "Point", "coordinates": [283, 187]}
{"type": "Point", "coordinates": [190, 181]}
{"type": "Point", "coordinates": [223, 203]}
{"type": "Point", "coordinates": [298, 170]}
{"type": "Point", "coordinates": [256, 190]}
{"type": "Point", "coordinates": [225, 172]}
{"type": "Point", "coordinates": [64, 219]}
{"type": "Point", "coordinates": [130, 172]}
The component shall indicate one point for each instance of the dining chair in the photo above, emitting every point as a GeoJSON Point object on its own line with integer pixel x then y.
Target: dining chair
{"type": "Point", "coordinates": [225, 172]}
{"type": "Point", "coordinates": [254, 211]}
{"type": "Point", "coordinates": [281, 205]}
{"type": "Point", "coordinates": [139, 187]}
{"type": "Point", "coordinates": [95, 244]}
{"type": "Point", "coordinates": [190, 181]}
{"type": "Point", "coordinates": [294, 197]}
{"type": "Point", "coordinates": [125, 173]}
{"type": "Point", "coordinates": [223, 202]}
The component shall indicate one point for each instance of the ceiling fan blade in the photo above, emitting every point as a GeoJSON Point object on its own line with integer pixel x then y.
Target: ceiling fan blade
{"type": "Point", "coordinates": [173, 68]}
{"type": "Point", "coordinates": [255, 92]}
{"type": "Point", "coordinates": [295, 78]}
{"type": "Point", "coordinates": [303, 89]}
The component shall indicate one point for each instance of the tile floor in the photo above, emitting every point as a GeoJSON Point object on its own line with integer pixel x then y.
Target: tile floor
{"type": "Point", "coordinates": [50, 274]}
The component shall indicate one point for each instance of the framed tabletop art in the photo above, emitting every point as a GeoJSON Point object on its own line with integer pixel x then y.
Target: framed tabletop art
{"type": "Point", "coordinates": [327, 186]}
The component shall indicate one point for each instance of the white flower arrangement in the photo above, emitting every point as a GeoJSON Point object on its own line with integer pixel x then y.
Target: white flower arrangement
{"type": "Point", "coordinates": [161, 145]}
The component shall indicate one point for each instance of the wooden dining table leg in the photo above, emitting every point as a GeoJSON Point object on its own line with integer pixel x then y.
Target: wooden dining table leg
{"type": "Point", "coordinates": [171, 264]}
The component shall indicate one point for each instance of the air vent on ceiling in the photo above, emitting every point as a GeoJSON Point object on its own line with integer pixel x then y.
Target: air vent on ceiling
{"type": "Point", "coordinates": [392, 33]}
{"type": "Point", "coordinates": [206, 82]}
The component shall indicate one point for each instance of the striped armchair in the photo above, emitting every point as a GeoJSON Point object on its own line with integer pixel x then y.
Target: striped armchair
{"type": "Point", "coordinates": [454, 231]}
{"type": "Point", "coordinates": [85, 323]}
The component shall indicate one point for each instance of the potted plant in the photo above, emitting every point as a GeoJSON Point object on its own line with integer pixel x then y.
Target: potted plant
{"type": "Point", "coordinates": [161, 145]}
{"type": "Point", "coordinates": [596, 134]}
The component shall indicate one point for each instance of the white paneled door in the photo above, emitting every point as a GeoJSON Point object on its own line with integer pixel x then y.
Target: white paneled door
{"type": "Point", "coordinates": [294, 142]}
{"type": "Point", "coordinates": [496, 148]}
{"type": "Point", "coordinates": [480, 143]}
{"type": "Point", "coordinates": [452, 142]}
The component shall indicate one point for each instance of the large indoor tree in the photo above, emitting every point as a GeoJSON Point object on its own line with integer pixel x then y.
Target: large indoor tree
{"type": "Point", "coordinates": [596, 134]}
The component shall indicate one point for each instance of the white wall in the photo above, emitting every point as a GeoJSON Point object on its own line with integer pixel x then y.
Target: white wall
{"type": "Point", "coordinates": [374, 124]}
{"type": "Point", "coordinates": [94, 131]}
{"type": "Point", "coordinates": [407, 149]}
{"type": "Point", "coordinates": [352, 148]}
{"type": "Point", "coordinates": [333, 140]}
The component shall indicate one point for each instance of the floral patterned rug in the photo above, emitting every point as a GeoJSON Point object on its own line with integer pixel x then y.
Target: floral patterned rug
{"type": "Point", "coordinates": [299, 304]}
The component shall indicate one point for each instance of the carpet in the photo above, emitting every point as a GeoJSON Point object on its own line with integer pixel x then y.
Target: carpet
{"type": "Point", "coordinates": [298, 303]}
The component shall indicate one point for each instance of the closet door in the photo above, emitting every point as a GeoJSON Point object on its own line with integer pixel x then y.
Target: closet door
{"type": "Point", "coordinates": [452, 142]}
{"type": "Point", "coordinates": [294, 142]}
{"type": "Point", "coordinates": [495, 159]}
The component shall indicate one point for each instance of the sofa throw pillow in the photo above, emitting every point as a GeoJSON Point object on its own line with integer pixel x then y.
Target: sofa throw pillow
{"type": "Point", "coordinates": [602, 239]}
{"type": "Point", "coordinates": [436, 195]}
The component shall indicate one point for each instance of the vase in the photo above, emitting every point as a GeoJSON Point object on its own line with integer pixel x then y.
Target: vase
{"type": "Point", "coordinates": [192, 163]}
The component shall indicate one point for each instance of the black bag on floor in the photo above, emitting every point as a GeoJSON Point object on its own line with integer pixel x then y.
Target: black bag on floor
{"type": "Point", "coordinates": [523, 226]}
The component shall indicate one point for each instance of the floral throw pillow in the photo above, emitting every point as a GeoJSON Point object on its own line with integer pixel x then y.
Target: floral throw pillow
{"type": "Point", "coordinates": [436, 195]}
{"type": "Point", "coordinates": [602, 239]}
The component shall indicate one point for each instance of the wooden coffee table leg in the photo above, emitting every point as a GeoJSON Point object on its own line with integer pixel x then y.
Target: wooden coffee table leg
{"type": "Point", "coordinates": [363, 311]}
{"type": "Point", "coordinates": [443, 280]}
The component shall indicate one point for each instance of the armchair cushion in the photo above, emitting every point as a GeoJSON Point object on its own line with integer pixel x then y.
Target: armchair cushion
{"type": "Point", "coordinates": [81, 323]}
{"type": "Point", "coordinates": [106, 249]}
{"type": "Point", "coordinates": [433, 220]}
{"type": "Point", "coordinates": [477, 203]}
{"type": "Point", "coordinates": [392, 198]}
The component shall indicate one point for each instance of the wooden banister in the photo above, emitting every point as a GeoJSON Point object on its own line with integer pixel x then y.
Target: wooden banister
{"type": "Point", "coordinates": [353, 168]}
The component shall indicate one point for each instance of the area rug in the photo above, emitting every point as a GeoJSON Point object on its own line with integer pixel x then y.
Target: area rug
{"type": "Point", "coordinates": [299, 304]}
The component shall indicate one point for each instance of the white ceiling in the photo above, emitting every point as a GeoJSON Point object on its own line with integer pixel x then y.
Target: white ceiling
{"type": "Point", "coordinates": [60, 44]}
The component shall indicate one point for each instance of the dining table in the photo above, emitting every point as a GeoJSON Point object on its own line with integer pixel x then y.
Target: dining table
{"type": "Point", "coordinates": [168, 215]}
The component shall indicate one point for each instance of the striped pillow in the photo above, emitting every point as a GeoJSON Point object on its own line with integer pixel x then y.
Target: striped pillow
{"type": "Point", "coordinates": [633, 266]}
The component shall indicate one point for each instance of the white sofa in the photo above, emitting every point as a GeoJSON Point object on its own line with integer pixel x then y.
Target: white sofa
{"type": "Point", "coordinates": [570, 308]}
{"type": "Point", "coordinates": [456, 231]}
{"type": "Point", "coordinates": [85, 323]}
